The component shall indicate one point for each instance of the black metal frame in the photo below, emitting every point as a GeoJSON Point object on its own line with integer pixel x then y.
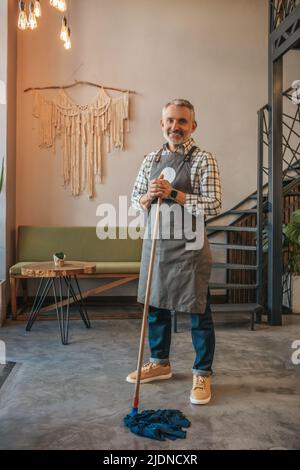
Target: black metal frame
{"type": "Point", "coordinates": [284, 34]}
{"type": "Point", "coordinates": [290, 172]}
{"type": "Point", "coordinates": [281, 10]}
{"type": "Point", "coordinates": [63, 314]}
{"type": "Point", "coordinates": [260, 187]}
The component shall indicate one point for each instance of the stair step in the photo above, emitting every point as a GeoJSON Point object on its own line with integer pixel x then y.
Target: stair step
{"type": "Point", "coordinates": [216, 285]}
{"type": "Point", "coordinates": [289, 180]}
{"type": "Point", "coordinates": [243, 211]}
{"type": "Point", "coordinates": [265, 196]}
{"type": "Point", "coordinates": [234, 266]}
{"type": "Point", "coordinates": [234, 247]}
{"type": "Point", "coordinates": [235, 308]}
{"type": "Point", "coordinates": [254, 196]}
{"type": "Point", "coordinates": [231, 228]}
{"type": "Point", "coordinates": [251, 308]}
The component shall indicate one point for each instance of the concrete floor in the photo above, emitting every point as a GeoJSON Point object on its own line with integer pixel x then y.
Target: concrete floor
{"type": "Point", "coordinates": [75, 396]}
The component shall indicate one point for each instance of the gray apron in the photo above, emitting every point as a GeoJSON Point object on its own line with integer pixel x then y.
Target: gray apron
{"type": "Point", "coordinates": [180, 276]}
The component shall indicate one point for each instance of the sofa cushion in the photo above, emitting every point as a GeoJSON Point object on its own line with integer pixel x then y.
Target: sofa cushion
{"type": "Point", "coordinates": [78, 243]}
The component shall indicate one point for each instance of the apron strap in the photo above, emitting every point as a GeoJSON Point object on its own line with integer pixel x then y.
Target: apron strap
{"type": "Point", "coordinates": [187, 157]}
{"type": "Point", "coordinates": [190, 154]}
{"type": "Point", "coordinates": [158, 155]}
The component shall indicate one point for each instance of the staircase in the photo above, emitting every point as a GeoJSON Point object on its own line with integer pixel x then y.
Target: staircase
{"type": "Point", "coordinates": [238, 213]}
{"type": "Point", "coordinates": [254, 309]}
{"type": "Point", "coordinates": [252, 212]}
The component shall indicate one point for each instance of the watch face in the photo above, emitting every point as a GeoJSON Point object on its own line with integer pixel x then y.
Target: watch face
{"type": "Point", "coordinates": [174, 194]}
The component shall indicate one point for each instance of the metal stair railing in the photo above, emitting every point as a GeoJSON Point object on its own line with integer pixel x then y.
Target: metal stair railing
{"type": "Point", "coordinates": [281, 9]}
{"type": "Point", "coordinates": [291, 177]}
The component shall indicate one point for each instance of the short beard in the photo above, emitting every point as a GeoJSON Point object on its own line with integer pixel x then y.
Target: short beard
{"type": "Point", "coordinates": [169, 138]}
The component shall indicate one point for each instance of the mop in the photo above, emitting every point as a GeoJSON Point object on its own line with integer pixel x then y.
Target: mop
{"type": "Point", "coordinates": [159, 424]}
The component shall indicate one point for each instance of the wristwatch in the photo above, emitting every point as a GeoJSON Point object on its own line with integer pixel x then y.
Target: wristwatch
{"type": "Point", "coordinates": [173, 194]}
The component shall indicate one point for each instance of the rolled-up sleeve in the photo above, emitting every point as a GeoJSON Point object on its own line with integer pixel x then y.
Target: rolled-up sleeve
{"type": "Point", "coordinates": [208, 201]}
{"type": "Point", "coordinates": [141, 183]}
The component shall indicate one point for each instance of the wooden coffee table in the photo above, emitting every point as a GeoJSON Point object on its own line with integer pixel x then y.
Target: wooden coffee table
{"type": "Point", "coordinates": [55, 277]}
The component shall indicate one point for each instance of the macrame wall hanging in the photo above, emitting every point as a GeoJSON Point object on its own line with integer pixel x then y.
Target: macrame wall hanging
{"type": "Point", "coordinates": [82, 131]}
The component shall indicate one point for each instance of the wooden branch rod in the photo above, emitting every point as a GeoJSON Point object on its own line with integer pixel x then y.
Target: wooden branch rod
{"type": "Point", "coordinates": [78, 82]}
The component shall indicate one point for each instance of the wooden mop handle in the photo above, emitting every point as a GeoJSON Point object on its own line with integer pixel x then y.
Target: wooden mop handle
{"type": "Point", "coordinates": [146, 307]}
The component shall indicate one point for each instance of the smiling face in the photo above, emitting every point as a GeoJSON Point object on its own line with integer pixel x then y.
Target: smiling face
{"type": "Point", "coordinates": [177, 123]}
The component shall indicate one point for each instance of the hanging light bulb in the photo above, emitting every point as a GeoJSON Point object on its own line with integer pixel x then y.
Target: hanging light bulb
{"type": "Point", "coordinates": [64, 30]}
{"type": "Point", "coordinates": [62, 5]}
{"type": "Point", "coordinates": [32, 23]}
{"type": "Point", "coordinates": [22, 21]}
{"type": "Point", "coordinates": [68, 44]}
{"type": "Point", "coordinates": [37, 9]}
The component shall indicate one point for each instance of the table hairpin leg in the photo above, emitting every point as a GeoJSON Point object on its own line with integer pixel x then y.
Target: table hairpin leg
{"type": "Point", "coordinates": [79, 302]}
{"type": "Point", "coordinates": [62, 314]}
{"type": "Point", "coordinates": [62, 281]}
{"type": "Point", "coordinates": [85, 314]}
{"type": "Point", "coordinates": [38, 301]}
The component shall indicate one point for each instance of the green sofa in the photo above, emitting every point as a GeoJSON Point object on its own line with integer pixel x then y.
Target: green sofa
{"type": "Point", "coordinates": [114, 258]}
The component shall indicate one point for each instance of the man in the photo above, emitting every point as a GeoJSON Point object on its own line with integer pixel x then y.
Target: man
{"type": "Point", "coordinates": [180, 277]}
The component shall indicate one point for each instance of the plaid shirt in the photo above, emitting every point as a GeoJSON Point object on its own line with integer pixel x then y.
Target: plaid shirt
{"type": "Point", "coordinates": [205, 180]}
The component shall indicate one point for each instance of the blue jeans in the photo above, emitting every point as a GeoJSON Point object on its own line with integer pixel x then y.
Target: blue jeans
{"type": "Point", "coordinates": [203, 337]}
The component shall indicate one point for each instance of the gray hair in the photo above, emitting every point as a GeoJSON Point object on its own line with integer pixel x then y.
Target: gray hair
{"type": "Point", "coordinates": [181, 102]}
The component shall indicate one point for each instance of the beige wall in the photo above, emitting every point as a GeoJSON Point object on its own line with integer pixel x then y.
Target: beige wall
{"type": "Point", "coordinates": [8, 74]}
{"type": "Point", "coordinates": [212, 52]}
{"type": "Point", "coordinates": [11, 134]}
{"type": "Point", "coordinates": [3, 136]}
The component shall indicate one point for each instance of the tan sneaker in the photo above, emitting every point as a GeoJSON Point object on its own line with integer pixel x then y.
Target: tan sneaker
{"type": "Point", "coordinates": [201, 391]}
{"type": "Point", "coordinates": [151, 371]}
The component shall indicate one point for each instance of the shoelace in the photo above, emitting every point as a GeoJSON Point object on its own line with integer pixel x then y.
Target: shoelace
{"type": "Point", "coordinates": [148, 365]}
{"type": "Point", "coordinates": [200, 382]}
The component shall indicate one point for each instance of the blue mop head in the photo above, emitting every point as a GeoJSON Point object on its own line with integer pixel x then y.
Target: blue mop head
{"type": "Point", "coordinates": [159, 425]}
{"type": "Point", "coordinates": [133, 412]}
